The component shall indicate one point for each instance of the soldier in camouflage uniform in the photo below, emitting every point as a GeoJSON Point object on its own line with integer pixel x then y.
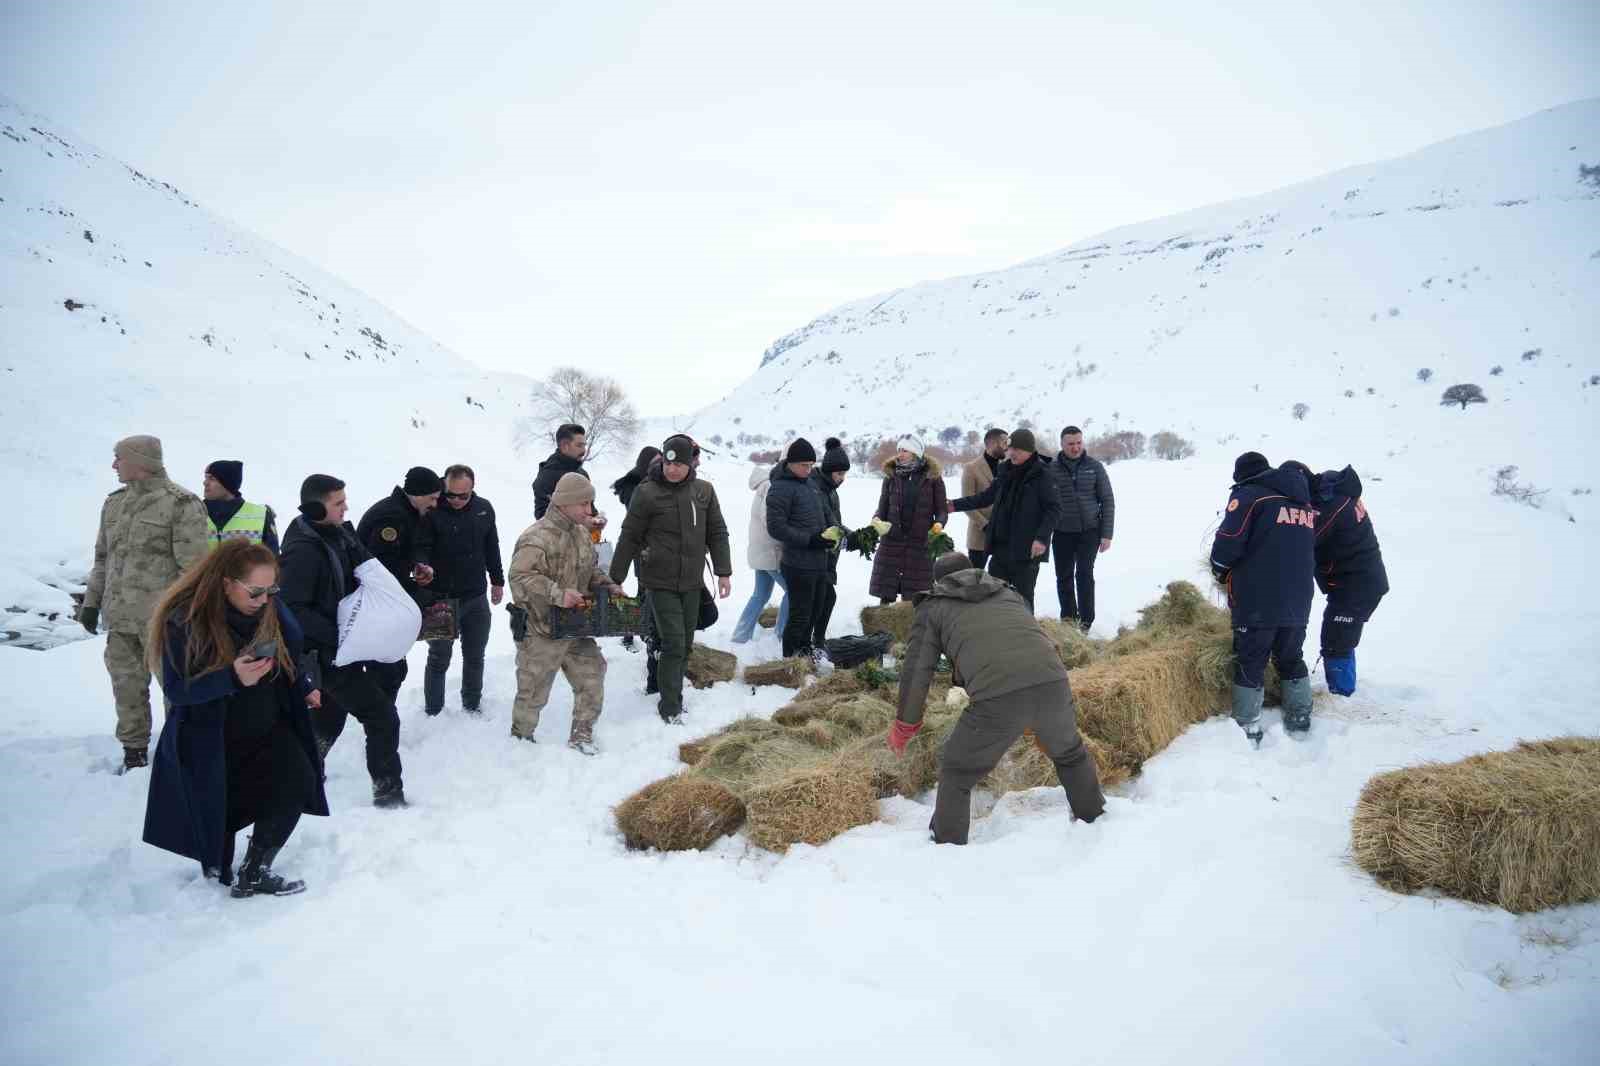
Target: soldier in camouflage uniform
{"type": "Point", "coordinates": [554, 564]}
{"type": "Point", "coordinates": [150, 531]}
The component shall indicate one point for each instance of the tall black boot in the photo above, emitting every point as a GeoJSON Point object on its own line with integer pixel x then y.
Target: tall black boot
{"type": "Point", "coordinates": [256, 877]}
{"type": "Point", "coordinates": [651, 686]}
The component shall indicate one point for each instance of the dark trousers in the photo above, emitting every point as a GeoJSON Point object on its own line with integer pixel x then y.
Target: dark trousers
{"type": "Point", "coordinates": [390, 677]}
{"type": "Point", "coordinates": [1022, 576]}
{"type": "Point", "coordinates": [472, 620]}
{"type": "Point", "coordinates": [674, 614]}
{"type": "Point", "coordinates": [1342, 623]}
{"type": "Point", "coordinates": [1075, 556]}
{"type": "Point", "coordinates": [807, 589]}
{"type": "Point", "coordinates": [980, 559]}
{"type": "Point", "coordinates": [354, 692]}
{"type": "Point", "coordinates": [1252, 646]}
{"type": "Point", "coordinates": [272, 790]}
{"type": "Point", "coordinates": [987, 729]}
{"type": "Point", "coordinates": [819, 628]}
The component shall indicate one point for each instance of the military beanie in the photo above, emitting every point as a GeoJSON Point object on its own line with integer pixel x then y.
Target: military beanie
{"type": "Point", "coordinates": [572, 489]}
{"type": "Point", "coordinates": [143, 450]}
{"type": "Point", "coordinates": [950, 563]}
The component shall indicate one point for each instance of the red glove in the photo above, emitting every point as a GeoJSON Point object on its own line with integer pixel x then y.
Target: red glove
{"type": "Point", "coordinates": [900, 734]}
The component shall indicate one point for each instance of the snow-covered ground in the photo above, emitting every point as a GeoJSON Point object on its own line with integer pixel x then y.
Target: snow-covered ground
{"type": "Point", "coordinates": [1213, 915]}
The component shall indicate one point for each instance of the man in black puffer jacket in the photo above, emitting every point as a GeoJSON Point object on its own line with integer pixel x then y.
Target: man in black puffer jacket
{"type": "Point", "coordinates": [1025, 504]}
{"type": "Point", "coordinates": [1263, 556]}
{"type": "Point", "coordinates": [1350, 573]}
{"type": "Point", "coordinates": [465, 547]}
{"type": "Point", "coordinates": [1083, 527]}
{"type": "Point", "coordinates": [796, 519]}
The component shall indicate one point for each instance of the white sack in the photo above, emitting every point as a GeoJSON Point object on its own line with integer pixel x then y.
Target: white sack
{"type": "Point", "coordinates": [378, 622]}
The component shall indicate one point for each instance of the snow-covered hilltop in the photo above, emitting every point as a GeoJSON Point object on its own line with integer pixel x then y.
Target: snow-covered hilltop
{"type": "Point", "coordinates": [126, 307]}
{"type": "Point", "coordinates": [1479, 253]}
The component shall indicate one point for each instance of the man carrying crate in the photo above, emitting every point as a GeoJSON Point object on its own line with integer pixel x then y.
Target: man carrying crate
{"type": "Point", "coordinates": [554, 565]}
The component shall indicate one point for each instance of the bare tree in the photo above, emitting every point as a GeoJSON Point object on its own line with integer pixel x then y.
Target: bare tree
{"type": "Point", "coordinates": [598, 404]}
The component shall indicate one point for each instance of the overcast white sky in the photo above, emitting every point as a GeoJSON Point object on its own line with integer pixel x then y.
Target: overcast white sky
{"type": "Point", "coordinates": [659, 190]}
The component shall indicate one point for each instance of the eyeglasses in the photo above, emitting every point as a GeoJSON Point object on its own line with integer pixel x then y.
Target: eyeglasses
{"type": "Point", "coordinates": [459, 495]}
{"type": "Point", "coordinates": [256, 592]}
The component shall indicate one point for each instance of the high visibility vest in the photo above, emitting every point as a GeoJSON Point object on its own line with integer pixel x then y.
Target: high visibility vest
{"type": "Point", "coordinates": [249, 523]}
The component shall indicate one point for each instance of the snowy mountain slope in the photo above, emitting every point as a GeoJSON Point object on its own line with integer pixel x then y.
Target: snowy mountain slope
{"type": "Point", "coordinates": [1479, 252]}
{"type": "Point", "coordinates": [125, 307]}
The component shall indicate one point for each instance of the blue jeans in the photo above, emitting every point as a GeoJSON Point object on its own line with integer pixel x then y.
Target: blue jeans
{"type": "Point", "coordinates": [765, 579]}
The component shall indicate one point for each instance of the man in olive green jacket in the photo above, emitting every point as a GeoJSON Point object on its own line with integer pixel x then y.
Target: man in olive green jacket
{"type": "Point", "coordinates": [150, 531]}
{"type": "Point", "coordinates": [673, 521]}
{"type": "Point", "coordinates": [1015, 679]}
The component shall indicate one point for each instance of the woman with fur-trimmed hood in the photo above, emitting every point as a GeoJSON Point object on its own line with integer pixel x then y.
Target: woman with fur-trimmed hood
{"type": "Point", "coordinates": [911, 501]}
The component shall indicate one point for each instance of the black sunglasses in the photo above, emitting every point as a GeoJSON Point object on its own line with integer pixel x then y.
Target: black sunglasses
{"type": "Point", "coordinates": [255, 592]}
{"type": "Point", "coordinates": [458, 495]}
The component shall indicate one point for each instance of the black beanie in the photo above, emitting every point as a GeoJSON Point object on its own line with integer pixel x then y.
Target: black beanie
{"type": "Point", "coordinates": [800, 451]}
{"type": "Point", "coordinates": [1022, 440]}
{"type": "Point", "coordinates": [1249, 465]}
{"type": "Point", "coordinates": [678, 448]}
{"type": "Point", "coordinates": [951, 563]}
{"type": "Point", "coordinates": [833, 457]}
{"type": "Point", "coordinates": [420, 481]}
{"type": "Point", "coordinates": [228, 472]}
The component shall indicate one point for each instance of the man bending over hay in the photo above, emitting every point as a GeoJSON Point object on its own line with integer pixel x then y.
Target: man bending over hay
{"type": "Point", "coordinates": [1015, 679]}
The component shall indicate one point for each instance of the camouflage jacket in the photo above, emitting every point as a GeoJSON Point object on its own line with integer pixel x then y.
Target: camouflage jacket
{"type": "Point", "coordinates": [149, 532]}
{"type": "Point", "coordinates": [553, 554]}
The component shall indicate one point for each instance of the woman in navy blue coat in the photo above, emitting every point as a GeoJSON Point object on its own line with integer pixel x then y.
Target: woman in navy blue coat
{"type": "Point", "coordinates": [237, 748]}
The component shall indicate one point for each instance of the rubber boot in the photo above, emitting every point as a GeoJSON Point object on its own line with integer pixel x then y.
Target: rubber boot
{"type": "Point", "coordinates": [257, 879]}
{"type": "Point", "coordinates": [1247, 711]}
{"type": "Point", "coordinates": [388, 793]}
{"type": "Point", "coordinates": [1340, 670]}
{"type": "Point", "coordinates": [1297, 705]}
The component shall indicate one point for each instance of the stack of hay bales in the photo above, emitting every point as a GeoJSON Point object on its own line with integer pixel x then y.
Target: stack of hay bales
{"type": "Point", "coordinates": [818, 767]}
{"type": "Point", "coordinates": [785, 673]}
{"type": "Point", "coordinates": [1520, 828]}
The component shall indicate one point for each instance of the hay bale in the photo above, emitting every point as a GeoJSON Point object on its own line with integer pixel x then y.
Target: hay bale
{"type": "Point", "coordinates": [768, 618]}
{"type": "Point", "coordinates": [680, 813]}
{"type": "Point", "coordinates": [763, 751]}
{"type": "Point", "coordinates": [1182, 613]}
{"type": "Point", "coordinates": [692, 751]}
{"type": "Point", "coordinates": [785, 673]}
{"type": "Point", "coordinates": [1140, 702]}
{"type": "Point", "coordinates": [812, 805]}
{"type": "Point", "coordinates": [1027, 766]}
{"type": "Point", "coordinates": [1072, 643]}
{"type": "Point", "coordinates": [1520, 828]}
{"type": "Point", "coordinates": [707, 666]}
{"type": "Point", "coordinates": [838, 683]}
{"type": "Point", "coordinates": [894, 619]}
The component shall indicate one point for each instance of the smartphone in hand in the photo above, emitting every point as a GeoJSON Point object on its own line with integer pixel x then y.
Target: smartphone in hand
{"type": "Point", "coordinates": [267, 649]}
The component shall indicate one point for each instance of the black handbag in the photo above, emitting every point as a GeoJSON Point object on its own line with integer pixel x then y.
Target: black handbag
{"type": "Point", "coordinates": [708, 609]}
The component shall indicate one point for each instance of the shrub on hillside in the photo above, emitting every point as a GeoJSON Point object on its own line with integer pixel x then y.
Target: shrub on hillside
{"type": "Point", "coordinates": [1463, 395]}
{"type": "Point", "coordinates": [1300, 410]}
{"type": "Point", "coordinates": [1425, 375]}
{"type": "Point", "coordinates": [1507, 485]}
{"type": "Point", "coordinates": [1113, 447]}
{"type": "Point", "coordinates": [1168, 445]}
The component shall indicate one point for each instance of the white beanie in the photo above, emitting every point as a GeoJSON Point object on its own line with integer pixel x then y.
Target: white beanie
{"type": "Point", "coordinates": [911, 444]}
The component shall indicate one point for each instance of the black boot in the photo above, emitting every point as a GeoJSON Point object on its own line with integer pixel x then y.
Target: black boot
{"type": "Point", "coordinates": [256, 877]}
{"type": "Point", "coordinates": [388, 792]}
{"type": "Point", "coordinates": [134, 759]}
{"type": "Point", "coordinates": [651, 687]}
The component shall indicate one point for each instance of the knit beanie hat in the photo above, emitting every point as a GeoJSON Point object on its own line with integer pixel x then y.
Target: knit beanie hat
{"type": "Point", "coordinates": [143, 450]}
{"type": "Point", "coordinates": [910, 443]}
{"type": "Point", "coordinates": [678, 448]}
{"type": "Point", "coordinates": [1022, 440]}
{"type": "Point", "coordinates": [229, 474]}
{"type": "Point", "coordinates": [420, 481]}
{"type": "Point", "coordinates": [800, 451]}
{"type": "Point", "coordinates": [572, 488]}
{"type": "Point", "coordinates": [950, 563]}
{"type": "Point", "coordinates": [1249, 465]}
{"type": "Point", "coordinates": [833, 457]}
